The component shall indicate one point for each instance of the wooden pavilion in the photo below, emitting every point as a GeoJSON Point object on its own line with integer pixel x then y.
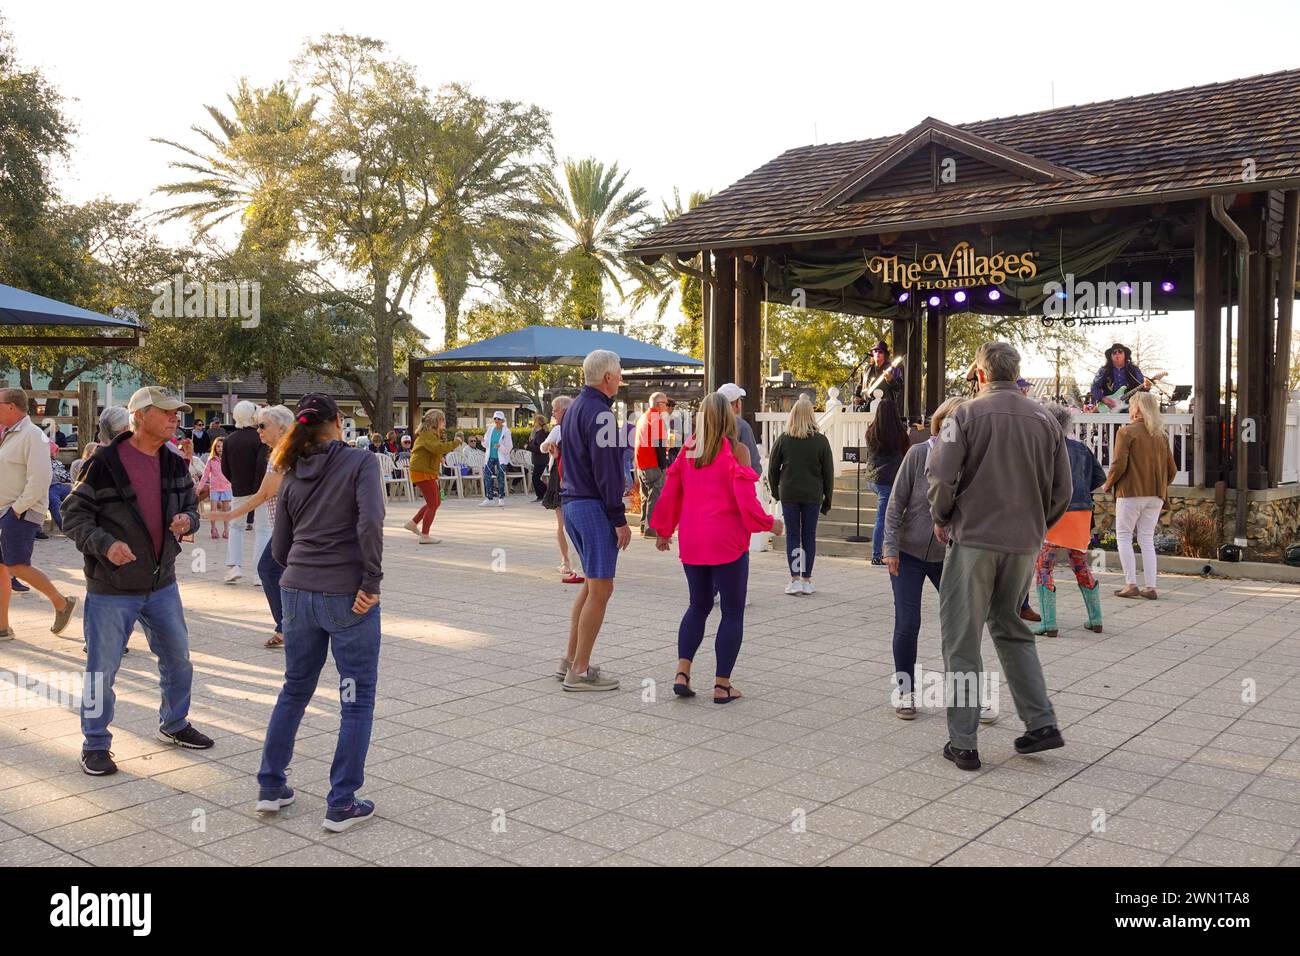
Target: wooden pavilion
{"type": "Point", "coordinates": [1188, 196]}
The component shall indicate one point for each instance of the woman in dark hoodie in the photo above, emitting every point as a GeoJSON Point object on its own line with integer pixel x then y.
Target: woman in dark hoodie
{"type": "Point", "coordinates": [329, 538]}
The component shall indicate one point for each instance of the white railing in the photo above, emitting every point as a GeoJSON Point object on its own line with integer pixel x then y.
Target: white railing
{"type": "Point", "coordinates": [1291, 445]}
{"type": "Point", "coordinates": [843, 428]}
{"type": "Point", "coordinates": [1097, 431]}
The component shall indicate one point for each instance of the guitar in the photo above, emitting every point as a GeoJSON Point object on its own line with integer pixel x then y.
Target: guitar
{"type": "Point", "coordinates": [1120, 393]}
{"type": "Point", "coordinates": [873, 393]}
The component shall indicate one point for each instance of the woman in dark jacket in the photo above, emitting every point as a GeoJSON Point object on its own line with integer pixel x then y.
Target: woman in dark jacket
{"type": "Point", "coordinates": [1072, 533]}
{"type": "Point", "coordinates": [801, 473]}
{"type": "Point", "coordinates": [887, 443]}
{"type": "Point", "coordinates": [540, 458]}
{"type": "Point", "coordinates": [328, 536]}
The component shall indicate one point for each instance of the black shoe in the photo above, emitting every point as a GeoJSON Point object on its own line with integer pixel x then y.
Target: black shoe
{"type": "Point", "coordinates": [98, 763]}
{"type": "Point", "coordinates": [964, 759]}
{"type": "Point", "coordinates": [1044, 738]}
{"type": "Point", "coordinates": [42, 536]}
{"type": "Point", "coordinates": [878, 561]}
{"type": "Point", "coordinates": [18, 585]}
{"type": "Point", "coordinates": [187, 737]}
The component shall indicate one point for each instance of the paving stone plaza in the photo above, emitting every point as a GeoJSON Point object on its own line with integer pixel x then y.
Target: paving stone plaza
{"type": "Point", "coordinates": [1181, 723]}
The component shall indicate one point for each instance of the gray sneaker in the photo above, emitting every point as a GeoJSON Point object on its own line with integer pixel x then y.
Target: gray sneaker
{"type": "Point", "coordinates": [591, 681]}
{"type": "Point", "coordinates": [61, 618]}
{"type": "Point", "coordinates": [562, 671]}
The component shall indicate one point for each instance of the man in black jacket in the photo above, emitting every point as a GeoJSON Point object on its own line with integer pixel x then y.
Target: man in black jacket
{"type": "Point", "coordinates": [125, 515]}
{"type": "Point", "coordinates": [243, 462]}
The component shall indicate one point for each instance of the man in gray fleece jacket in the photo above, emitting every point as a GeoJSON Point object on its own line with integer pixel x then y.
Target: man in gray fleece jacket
{"type": "Point", "coordinates": [999, 477]}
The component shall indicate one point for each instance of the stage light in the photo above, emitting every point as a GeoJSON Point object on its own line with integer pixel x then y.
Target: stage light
{"type": "Point", "coordinates": [959, 296]}
{"type": "Point", "coordinates": [934, 301]}
{"type": "Point", "coordinates": [904, 296]}
{"type": "Point", "coordinates": [994, 295]}
{"type": "Point", "coordinates": [1167, 285]}
{"type": "Point", "coordinates": [1125, 288]}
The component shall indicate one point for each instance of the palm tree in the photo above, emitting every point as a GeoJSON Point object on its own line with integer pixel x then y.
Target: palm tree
{"type": "Point", "coordinates": [246, 170]}
{"type": "Point", "coordinates": [593, 218]}
{"type": "Point", "coordinates": [670, 283]}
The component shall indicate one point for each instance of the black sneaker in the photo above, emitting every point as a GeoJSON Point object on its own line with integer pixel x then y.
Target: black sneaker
{"type": "Point", "coordinates": [98, 763]}
{"type": "Point", "coordinates": [1044, 738]}
{"type": "Point", "coordinates": [964, 759]}
{"type": "Point", "coordinates": [336, 821]}
{"type": "Point", "coordinates": [187, 737]}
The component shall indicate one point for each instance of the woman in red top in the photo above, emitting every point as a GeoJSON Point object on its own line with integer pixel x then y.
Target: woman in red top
{"type": "Point", "coordinates": [709, 493]}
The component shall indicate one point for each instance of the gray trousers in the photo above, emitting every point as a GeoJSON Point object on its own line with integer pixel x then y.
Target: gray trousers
{"type": "Point", "coordinates": [985, 587]}
{"type": "Point", "coordinates": [652, 482]}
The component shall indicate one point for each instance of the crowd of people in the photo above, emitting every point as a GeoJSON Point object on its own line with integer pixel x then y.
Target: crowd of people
{"type": "Point", "coordinates": [979, 506]}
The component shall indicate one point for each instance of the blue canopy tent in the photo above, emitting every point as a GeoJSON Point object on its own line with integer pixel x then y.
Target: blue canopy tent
{"type": "Point", "coordinates": [22, 308]}
{"type": "Point", "coordinates": [527, 349]}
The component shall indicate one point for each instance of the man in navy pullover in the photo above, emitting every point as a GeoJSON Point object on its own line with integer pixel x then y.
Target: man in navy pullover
{"type": "Point", "coordinates": [591, 491]}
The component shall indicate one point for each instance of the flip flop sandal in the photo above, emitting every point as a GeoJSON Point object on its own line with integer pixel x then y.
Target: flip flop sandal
{"type": "Point", "coordinates": [683, 690]}
{"type": "Point", "coordinates": [276, 640]}
{"type": "Point", "coordinates": [730, 696]}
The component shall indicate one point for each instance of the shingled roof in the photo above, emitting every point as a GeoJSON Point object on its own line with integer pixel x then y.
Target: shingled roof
{"type": "Point", "coordinates": [1155, 148]}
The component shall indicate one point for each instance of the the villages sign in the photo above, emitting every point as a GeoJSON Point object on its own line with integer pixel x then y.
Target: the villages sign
{"type": "Point", "coordinates": [961, 267]}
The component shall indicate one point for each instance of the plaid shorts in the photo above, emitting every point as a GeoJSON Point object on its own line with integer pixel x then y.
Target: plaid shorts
{"type": "Point", "coordinates": [592, 534]}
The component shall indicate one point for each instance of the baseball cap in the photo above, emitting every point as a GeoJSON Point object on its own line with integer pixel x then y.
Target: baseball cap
{"type": "Point", "coordinates": [731, 391]}
{"type": "Point", "coordinates": [158, 397]}
{"type": "Point", "coordinates": [499, 416]}
{"type": "Point", "coordinates": [316, 407]}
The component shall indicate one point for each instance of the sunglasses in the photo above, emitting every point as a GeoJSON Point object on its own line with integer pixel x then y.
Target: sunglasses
{"type": "Point", "coordinates": [261, 426]}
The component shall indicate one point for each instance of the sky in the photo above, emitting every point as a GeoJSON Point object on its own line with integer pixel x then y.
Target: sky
{"type": "Point", "coordinates": [692, 95]}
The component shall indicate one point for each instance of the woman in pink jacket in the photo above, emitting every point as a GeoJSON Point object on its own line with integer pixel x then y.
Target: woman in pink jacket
{"type": "Point", "coordinates": [709, 492]}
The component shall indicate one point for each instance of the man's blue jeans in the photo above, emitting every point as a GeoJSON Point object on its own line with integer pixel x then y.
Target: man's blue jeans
{"type": "Point", "coordinates": [878, 529]}
{"type": "Point", "coordinates": [494, 479]}
{"type": "Point", "coordinates": [314, 624]}
{"type": "Point", "coordinates": [109, 619]}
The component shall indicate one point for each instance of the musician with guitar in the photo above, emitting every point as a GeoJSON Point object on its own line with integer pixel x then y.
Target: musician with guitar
{"type": "Point", "coordinates": [882, 375]}
{"type": "Point", "coordinates": [1118, 378]}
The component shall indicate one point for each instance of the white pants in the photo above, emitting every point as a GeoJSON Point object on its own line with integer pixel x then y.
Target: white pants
{"type": "Point", "coordinates": [261, 534]}
{"type": "Point", "coordinates": [1141, 514]}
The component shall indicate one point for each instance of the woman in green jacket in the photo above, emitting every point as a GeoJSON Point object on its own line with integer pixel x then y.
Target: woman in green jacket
{"type": "Point", "coordinates": [801, 473]}
{"type": "Point", "coordinates": [426, 459]}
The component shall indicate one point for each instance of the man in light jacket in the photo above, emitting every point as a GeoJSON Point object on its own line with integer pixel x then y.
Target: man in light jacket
{"type": "Point", "coordinates": [24, 502]}
{"type": "Point", "coordinates": [999, 477]}
{"type": "Point", "coordinates": [497, 445]}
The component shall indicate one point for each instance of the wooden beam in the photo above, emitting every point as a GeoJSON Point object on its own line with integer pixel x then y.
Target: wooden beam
{"type": "Point", "coordinates": [1258, 352]}
{"type": "Point", "coordinates": [85, 342]}
{"type": "Point", "coordinates": [87, 412]}
{"type": "Point", "coordinates": [749, 336]}
{"type": "Point", "coordinates": [723, 359]}
{"type": "Point", "coordinates": [914, 363]}
{"type": "Point", "coordinates": [1282, 349]}
{"type": "Point", "coordinates": [414, 368]}
{"type": "Point", "coordinates": [1206, 334]}
{"type": "Point", "coordinates": [706, 315]}
{"type": "Point", "coordinates": [936, 359]}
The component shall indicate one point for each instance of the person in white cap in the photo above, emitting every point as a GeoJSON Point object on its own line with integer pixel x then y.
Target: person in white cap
{"type": "Point", "coordinates": [24, 502]}
{"type": "Point", "coordinates": [126, 516]}
{"type": "Point", "coordinates": [497, 446]}
{"type": "Point", "coordinates": [733, 393]}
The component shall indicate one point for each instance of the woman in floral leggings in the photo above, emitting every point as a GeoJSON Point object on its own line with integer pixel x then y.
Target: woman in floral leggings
{"type": "Point", "coordinates": [1072, 533]}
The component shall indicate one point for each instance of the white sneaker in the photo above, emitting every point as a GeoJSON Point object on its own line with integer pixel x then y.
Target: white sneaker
{"type": "Point", "coordinates": [485, 503]}
{"type": "Point", "coordinates": [233, 574]}
{"type": "Point", "coordinates": [501, 502]}
{"type": "Point", "coordinates": [794, 587]}
{"type": "Point", "coordinates": [988, 715]}
{"type": "Point", "coordinates": [425, 539]}
{"type": "Point", "coordinates": [808, 587]}
{"type": "Point", "coordinates": [412, 527]}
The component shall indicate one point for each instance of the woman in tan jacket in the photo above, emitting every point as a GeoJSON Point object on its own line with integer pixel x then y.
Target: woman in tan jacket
{"type": "Point", "coordinates": [1141, 471]}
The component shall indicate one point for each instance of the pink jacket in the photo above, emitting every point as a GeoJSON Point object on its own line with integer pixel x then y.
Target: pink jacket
{"type": "Point", "coordinates": [213, 479]}
{"type": "Point", "coordinates": [716, 507]}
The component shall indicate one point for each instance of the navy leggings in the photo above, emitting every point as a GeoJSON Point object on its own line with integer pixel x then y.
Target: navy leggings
{"type": "Point", "coordinates": [800, 537]}
{"type": "Point", "coordinates": [704, 581]}
{"type": "Point", "coordinates": [270, 571]}
{"type": "Point", "coordinates": [908, 584]}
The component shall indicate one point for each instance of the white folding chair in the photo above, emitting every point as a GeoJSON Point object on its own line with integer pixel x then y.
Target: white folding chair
{"type": "Point", "coordinates": [475, 460]}
{"type": "Point", "coordinates": [393, 480]}
{"type": "Point", "coordinates": [519, 469]}
{"type": "Point", "coordinates": [450, 471]}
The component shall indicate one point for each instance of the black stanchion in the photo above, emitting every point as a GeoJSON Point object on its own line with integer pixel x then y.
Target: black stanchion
{"type": "Point", "coordinates": [854, 455]}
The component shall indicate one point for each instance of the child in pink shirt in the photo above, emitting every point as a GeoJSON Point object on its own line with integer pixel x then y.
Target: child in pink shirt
{"type": "Point", "coordinates": [218, 486]}
{"type": "Point", "coordinates": [709, 493]}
